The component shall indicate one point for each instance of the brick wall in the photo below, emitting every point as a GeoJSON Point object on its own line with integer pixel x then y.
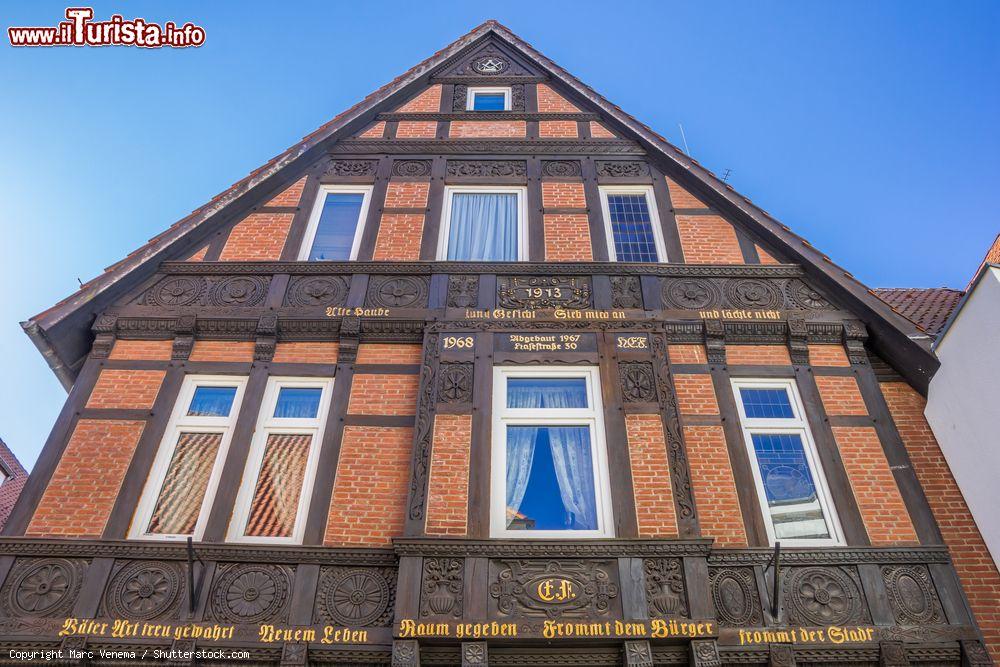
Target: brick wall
{"type": "Point", "coordinates": [369, 494]}
{"type": "Point", "coordinates": [290, 196]}
{"type": "Point", "coordinates": [416, 129]}
{"type": "Point", "coordinates": [687, 354]}
{"type": "Point", "coordinates": [11, 489]}
{"type": "Point", "coordinates": [758, 355]}
{"type": "Point", "coordinates": [407, 194]}
{"type": "Point", "coordinates": [198, 255]}
{"type": "Point", "coordinates": [471, 129]}
{"type": "Point", "coordinates": [563, 195]}
{"type": "Point", "coordinates": [765, 256]}
{"type": "Point", "coordinates": [306, 353]}
{"type": "Point", "coordinates": [841, 395]}
{"type": "Point", "coordinates": [259, 236]}
{"type": "Point", "coordinates": [375, 131]}
{"type": "Point", "coordinates": [647, 450]}
{"type": "Point", "coordinates": [399, 237]}
{"type": "Point", "coordinates": [695, 394]}
{"type": "Point", "coordinates": [681, 198]}
{"type": "Point", "coordinates": [448, 487]}
{"type": "Point", "coordinates": [598, 131]}
{"type": "Point", "coordinates": [558, 129]}
{"type": "Point", "coordinates": [976, 569]}
{"type": "Point", "coordinates": [713, 484]}
{"type": "Point", "coordinates": [222, 350]}
{"type": "Point", "coordinates": [708, 239]}
{"type": "Point", "coordinates": [389, 353]}
{"type": "Point", "coordinates": [383, 394]}
{"type": "Point", "coordinates": [83, 488]}
{"type": "Point", "coordinates": [142, 349]}
{"type": "Point", "coordinates": [126, 389]}
{"type": "Point", "coordinates": [551, 101]}
{"type": "Point", "coordinates": [429, 100]}
{"type": "Point", "coordinates": [567, 237]}
{"type": "Point", "coordinates": [828, 355]}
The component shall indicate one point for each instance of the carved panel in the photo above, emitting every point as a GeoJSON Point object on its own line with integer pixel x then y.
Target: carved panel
{"type": "Point", "coordinates": [665, 595]}
{"type": "Point", "coordinates": [626, 292]}
{"type": "Point", "coordinates": [690, 294]}
{"type": "Point", "coordinates": [463, 291]}
{"type": "Point", "coordinates": [554, 588]}
{"type": "Point", "coordinates": [405, 653]}
{"type": "Point", "coordinates": [821, 596]}
{"type": "Point", "coordinates": [752, 293]}
{"type": "Point", "coordinates": [356, 597]}
{"type": "Point", "coordinates": [561, 168]}
{"type": "Point", "coordinates": [142, 590]}
{"type": "Point", "coordinates": [424, 431]}
{"type": "Point", "coordinates": [912, 595]}
{"type": "Point", "coordinates": [680, 473]}
{"type": "Point", "coordinates": [517, 97]}
{"type": "Point", "coordinates": [544, 292]}
{"type": "Point", "coordinates": [487, 168]}
{"type": "Point", "coordinates": [455, 383]}
{"type": "Point", "coordinates": [622, 168]}
{"type": "Point", "coordinates": [460, 99]}
{"type": "Point", "coordinates": [801, 294]}
{"type": "Point", "coordinates": [638, 654]}
{"type": "Point", "coordinates": [441, 587]}
{"type": "Point", "coordinates": [397, 291]}
{"type": "Point", "coordinates": [317, 291]}
{"type": "Point", "coordinates": [475, 653]}
{"type": "Point", "coordinates": [411, 168]}
{"type": "Point", "coordinates": [238, 291]}
{"type": "Point", "coordinates": [46, 587]}
{"type": "Point", "coordinates": [734, 592]}
{"type": "Point", "coordinates": [781, 655]}
{"type": "Point", "coordinates": [705, 653]}
{"type": "Point", "coordinates": [637, 381]}
{"type": "Point", "coordinates": [251, 593]}
{"type": "Point", "coordinates": [341, 168]}
{"type": "Point", "coordinates": [176, 291]}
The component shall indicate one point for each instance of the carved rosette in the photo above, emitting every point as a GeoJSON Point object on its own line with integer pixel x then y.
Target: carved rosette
{"type": "Point", "coordinates": [455, 383]}
{"type": "Point", "coordinates": [912, 595]}
{"type": "Point", "coordinates": [46, 587]}
{"type": "Point", "coordinates": [238, 291]}
{"type": "Point", "coordinates": [561, 168]}
{"type": "Point", "coordinates": [823, 596]}
{"type": "Point", "coordinates": [176, 291]}
{"type": "Point", "coordinates": [626, 292]}
{"type": "Point", "coordinates": [734, 592]}
{"type": "Point", "coordinates": [474, 653]}
{"type": "Point", "coordinates": [520, 585]}
{"type": "Point", "coordinates": [463, 291]}
{"type": "Point", "coordinates": [441, 587]}
{"type": "Point", "coordinates": [356, 168]}
{"type": "Point", "coordinates": [752, 293]}
{"type": "Point", "coordinates": [802, 295]}
{"type": "Point", "coordinates": [411, 168]}
{"type": "Point", "coordinates": [689, 294]}
{"type": "Point", "coordinates": [705, 653]}
{"type": "Point", "coordinates": [397, 292]}
{"type": "Point", "coordinates": [251, 593]}
{"type": "Point", "coordinates": [142, 590]}
{"type": "Point", "coordinates": [317, 291]}
{"type": "Point", "coordinates": [665, 595]}
{"type": "Point", "coordinates": [637, 381]}
{"type": "Point", "coordinates": [356, 597]}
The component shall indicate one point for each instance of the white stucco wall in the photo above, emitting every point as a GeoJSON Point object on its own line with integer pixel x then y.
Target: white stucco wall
{"type": "Point", "coordinates": [963, 405]}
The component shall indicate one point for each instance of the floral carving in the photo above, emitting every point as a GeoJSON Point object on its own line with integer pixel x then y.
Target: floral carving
{"type": "Point", "coordinates": [823, 596]}
{"type": "Point", "coordinates": [356, 597]}
{"type": "Point", "coordinates": [626, 292]}
{"type": "Point", "coordinates": [441, 588]}
{"type": "Point", "coordinates": [411, 168]}
{"type": "Point", "coordinates": [690, 294]}
{"type": "Point", "coordinates": [638, 384]}
{"type": "Point", "coordinates": [250, 593]}
{"type": "Point", "coordinates": [752, 293]}
{"type": "Point", "coordinates": [474, 653]}
{"type": "Point", "coordinates": [242, 291]}
{"type": "Point", "coordinates": [734, 592]}
{"type": "Point", "coordinates": [622, 169]}
{"type": "Point", "coordinates": [803, 295]}
{"type": "Point", "coordinates": [487, 168]}
{"type": "Point", "coordinates": [317, 291]}
{"type": "Point", "coordinates": [706, 653]}
{"type": "Point", "coordinates": [176, 291]}
{"type": "Point", "coordinates": [397, 292]}
{"type": "Point", "coordinates": [455, 383]}
{"type": "Point", "coordinates": [340, 168]}
{"type": "Point", "coordinates": [463, 291]}
{"type": "Point", "coordinates": [561, 168]}
{"type": "Point", "coordinates": [665, 587]}
{"type": "Point", "coordinates": [143, 590]}
{"type": "Point", "coordinates": [44, 588]}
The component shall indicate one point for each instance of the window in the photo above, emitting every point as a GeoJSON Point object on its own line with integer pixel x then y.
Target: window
{"type": "Point", "coordinates": [185, 472]}
{"type": "Point", "coordinates": [338, 218]}
{"type": "Point", "coordinates": [632, 224]}
{"type": "Point", "coordinates": [549, 461]}
{"type": "Point", "coordinates": [488, 99]}
{"type": "Point", "coordinates": [790, 483]}
{"type": "Point", "coordinates": [274, 497]}
{"type": "Point", "coordinates": [484, 224]}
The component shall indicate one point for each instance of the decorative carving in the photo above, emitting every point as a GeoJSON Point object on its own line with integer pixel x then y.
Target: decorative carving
{"type": "Point", "coordinates": [405, 653]}
{"type": "Point", "coordinates": [781, 655]}
{"type": "Point", "coordinates": [411, 168]}
{"type": "Point", "coordinates": [176, 291]}
{"type": "Point", "coordinates": [561, 168]}
{"type": "Point", "coordinates": [460, 97]}
{"type": "Point", "coordinates": [638, 384]}
{"type": "Point", "coordinates": [517, 97]}
{"type": "Point", "coordinates": [356, 597]}
{"type": "Point", "coordinates": [622, 169]}
{"type": "Point", "coordinates": [823, 596]}
{"type": "Point", "coordinates": [267, 337]}
{"type": "Point", "coordinates": [801, 294]}
{"type": "Point", "coordinates": [665, 594]}
{"type": "Point", "coordinates": [520, 590]}
{"type": "Point", "coordinates": [715, 341]}
{"type": "Point", "coordinates": [798, 341]}
{"type": "Point", "coordinates": [752, 293]}
{"type": "Point", "coordinates": [463, 291]}
{"type": "Point", "coordinates": [397, 291]}
{"type": "Point", "coordinates": [626, 292]}
{"type": "Point", "coordinates": [455, 383]}
{"type": "Point", "coordinates": [474, 653]}
{"type": "Point", "coordinates": [294, 654]}
{"type": "Point", "coordinates": [424, 431]}
{"type": "Point", "coordinates": [341, 168]}
{"type": "Point", "coordinates": [104, 336]}
{"type": "Point", "coordinates": [855, 335]}
{"type": "Point", "coordinates": [734, 592]}
{"type": "Point", "coordinates": [892, 654]}
{"type": "Point", "coordinates": [680, 474]}
{"type": "Point", "coordinates": [690, 294]}
{"type": "Point", "coordinates": [143, 590]}
{"type": "Point", "coordinates": [705, 653]}
{"type": "Point", "coordinates": [912, 595]}
{"type": "Point", "coordinates": [46, 587]}
{"type": "Point", "coordinates": [489, 147]}
{"type": "Point", "coordinates": [250, 593]}
{"type": "Point", "coordinates": [544, 292]}
{"type": "Point", "coordinates": [490, 64]}
{"type": "Point", "coordinates": [974, 653]}
{"type": "Point", "coordinates": [638, 654]}
{"type": "Point", "coordinates": [242, 291]}
{"type": "Point", "coordinates": [317, 291]}
{"type": "Point", "coordinates": [441, 587]}
{"type": "Point", "coordinates": [487, 168]}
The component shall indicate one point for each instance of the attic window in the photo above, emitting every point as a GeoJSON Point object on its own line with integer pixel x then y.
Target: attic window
{"type": "Point", "coordinates": [337, 221]}
{"type": "Point", "coordinates": [488, 99]}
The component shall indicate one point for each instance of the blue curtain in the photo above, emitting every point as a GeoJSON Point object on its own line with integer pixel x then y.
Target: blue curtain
{"type": "Point", "coordinates": [483, 227]}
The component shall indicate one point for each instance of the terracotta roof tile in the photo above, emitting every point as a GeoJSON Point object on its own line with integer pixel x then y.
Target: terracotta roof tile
{"type": "Point", "coordinates": [928, 308]}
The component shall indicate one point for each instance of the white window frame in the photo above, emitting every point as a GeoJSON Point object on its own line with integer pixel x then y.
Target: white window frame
{"type": "Point", "coordinates": [654, 217]}
{"type": "Point", "coordinates": [317, 212]}
{"type": "Point", "coordinates": [798, 425]}
{"type": "Point", "coordinates": [267, 424]}
{"type": "Point", "coordinates": [593, 417]}
{"type": "Point", "coordinates": [180, 422]}
{"type": "Point", "coordinates": [470, 99]}
{"type": "Point", "coordinates": [522, 216]}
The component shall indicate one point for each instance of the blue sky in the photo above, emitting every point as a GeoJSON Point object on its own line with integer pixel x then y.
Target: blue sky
{"type": "Point", "coordinates": [869, 128]}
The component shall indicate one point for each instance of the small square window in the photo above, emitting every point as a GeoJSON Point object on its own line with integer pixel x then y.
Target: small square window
{"type": "Point", "coordinates": [488, 99]}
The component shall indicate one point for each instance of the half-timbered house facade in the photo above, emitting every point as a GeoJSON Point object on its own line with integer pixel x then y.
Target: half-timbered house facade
{"type": "Point", "coordinates": [485, 371]}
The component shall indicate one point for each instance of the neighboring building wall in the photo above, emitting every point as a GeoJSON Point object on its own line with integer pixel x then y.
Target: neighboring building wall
{"type": "Point", "coordinates": [11, 487]}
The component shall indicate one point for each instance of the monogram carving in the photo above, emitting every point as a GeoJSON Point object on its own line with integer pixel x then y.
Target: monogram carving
{"type": "Point", "coordinates": [823, 596]}
{"type": "Point", "coordinates": [397, 291]}
{"type": "Point", "coordinates": [622, 169]}
{"type": "Point", "coordinates": [463, 291]}
{"type": "Point", "coordinates": [665, 594]}
{"type": "Point", "coordinates": [455, 383]}
{"type": "Point", "coordinates": [638, 384]}
{"type": "Point", "coordinates": [690, 294]}
{"type": "Point", "coordinates": [752, 293]}
{"type": "Point", "coordinates": [250, 593]}
{"type": "Point", "coordinates": [143, 590]}
{"type": "Point", "coordinates": [525, 588]}
{"type": "Point", "coordinates": [801, 294]}
{"type": "Point", "coordinates": [626, 292]}
{"type": "Point", "coordinates": [734, 592]}
{"type": "Point", "coordinates": [309, 291]}
{"type": "Point", "coordinates": [341, 168]}
{"type": "Point", "coordinates": [543, 292]}
{"type": "Point", "coordinates": [176, 291]}
{"type": "Point", "coordinates": [242, 291]}
{"type": "Point", "coordinates": [356, 597]}
{"type": "Point", "coordinates": [912, 595]}
{"type": "Point", "coordinates": [441, 587]}
{"type": "Point", "coordinates": [411, 168]}
{"type": "Point", "coordinates": [46, 587]}
{"type": "Point", "coordinates": [561, 168]}
{"type": "Point", "coordinates": [487, 168]}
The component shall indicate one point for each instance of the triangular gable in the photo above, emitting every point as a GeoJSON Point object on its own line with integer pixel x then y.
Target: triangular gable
{"type": "Point", "coordinates": [62, 332]}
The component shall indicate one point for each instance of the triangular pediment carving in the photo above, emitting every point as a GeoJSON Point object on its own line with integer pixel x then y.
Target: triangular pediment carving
{"type": "Point", "coordinates": [490, 59]}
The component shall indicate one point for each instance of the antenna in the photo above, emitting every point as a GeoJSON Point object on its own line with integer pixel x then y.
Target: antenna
{"type": "Point", "coordinates": [684, 139]}
{"type": "Point", "coordinates": [725, 176]}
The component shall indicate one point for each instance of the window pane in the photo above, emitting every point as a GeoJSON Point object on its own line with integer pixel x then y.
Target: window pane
{"type": "Point", "coordinates": [547, 393]}
{"type": "Point", "coordinates": [767, 403]}
{"type": "Point", "coordinates": [632, 228]}
{"type": "Point", "coordinates": [337, 225]}
{"type": "Point", "coordinates": [488, 101]}
{"type": "Point", "coordinates": [483, 227]}
{"type": "Point", "coordinates": [789, 486]}
{"type": "Point", "coordinates": [298, 403]}
{"type": "Point", "coordinates": [550, 479]}
{"type": "Point", "coordinates": [183, 490]}
{"type": "Point", "coordinates": [212, 402]}
{"type": "Point", "coordinates": [276, 498]}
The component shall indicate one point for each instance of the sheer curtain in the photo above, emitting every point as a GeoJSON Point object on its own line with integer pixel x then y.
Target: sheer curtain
{"type": "Point", "coordinates": [575, 474]}
{"type": "Point", "coordinates": [483, 227]}
{"type": "Point", "coordinates": [520, 455]}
